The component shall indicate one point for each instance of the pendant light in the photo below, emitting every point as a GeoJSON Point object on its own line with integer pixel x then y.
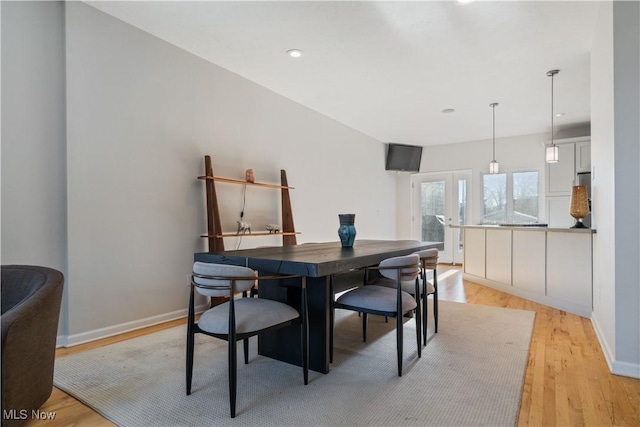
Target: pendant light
{"type": "Point", "coordinates": [494, 166]}
{"type": "Point", "coordinates": [552, 150]}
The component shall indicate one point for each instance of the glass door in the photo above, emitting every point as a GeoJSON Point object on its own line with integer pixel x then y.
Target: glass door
{"type": "Point", "coordinates": [438, 201]}
{"type": "Point", "coordinates": [462, 207]}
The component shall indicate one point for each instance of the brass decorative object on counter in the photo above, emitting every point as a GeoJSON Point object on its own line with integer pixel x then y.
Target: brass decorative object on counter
{"type": "Point", "coordinates": [579, 205]}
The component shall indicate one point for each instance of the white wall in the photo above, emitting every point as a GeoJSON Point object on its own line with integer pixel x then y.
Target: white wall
{"type": "Point", "coordinates": [33, 136]}
{"type": "Point", "coordinates": [615, 66]}
{"type": "Point", "coordinates": [141, 116]}
{"type": "Point", "coordinates": [626, 74]}
{"type": "Point", "coordinates": [603, 183]}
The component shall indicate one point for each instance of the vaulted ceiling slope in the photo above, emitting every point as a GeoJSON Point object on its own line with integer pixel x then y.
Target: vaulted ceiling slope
{"type": "Point", "coordinates": [389, 68]}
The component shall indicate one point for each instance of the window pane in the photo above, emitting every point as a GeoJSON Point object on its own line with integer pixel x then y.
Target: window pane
{"type": "Point", "coordinates": [432, 208]}
{"type": "Point", "coordinates": [525, 197]}
{"type": "Point", "coordinates": [495, 198]}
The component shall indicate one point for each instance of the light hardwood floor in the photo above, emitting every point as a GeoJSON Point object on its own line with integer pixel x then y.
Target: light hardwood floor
{"type": "Point", "coordinates": [567, 380]}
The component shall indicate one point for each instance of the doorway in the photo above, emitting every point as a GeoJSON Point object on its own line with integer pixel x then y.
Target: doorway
{"type": "Point", "coordinates": [440, 200]}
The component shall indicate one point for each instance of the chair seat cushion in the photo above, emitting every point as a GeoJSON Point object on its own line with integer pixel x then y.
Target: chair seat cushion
{"type": "Point", "coordinates": [378, 298]}
{"type": "Point", "coordinates": [408, 287]}
{"type": "Point", "coordinates": [252, 315]}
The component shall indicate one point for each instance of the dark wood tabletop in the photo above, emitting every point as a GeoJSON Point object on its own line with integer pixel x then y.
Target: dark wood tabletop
{"type": "Point", "coordinates": [316, 259]}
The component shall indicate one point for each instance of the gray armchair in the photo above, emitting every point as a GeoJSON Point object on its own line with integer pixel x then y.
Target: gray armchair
{"type": "Point", "coordinates": [31, 298]}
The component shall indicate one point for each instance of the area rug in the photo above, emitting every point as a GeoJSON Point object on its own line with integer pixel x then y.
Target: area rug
{"type": "Point", "coordinates": [471, 374]}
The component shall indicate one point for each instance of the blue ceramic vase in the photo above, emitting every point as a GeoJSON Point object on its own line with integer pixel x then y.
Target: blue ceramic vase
{"type": "Point", "coordinates": [347, 231]}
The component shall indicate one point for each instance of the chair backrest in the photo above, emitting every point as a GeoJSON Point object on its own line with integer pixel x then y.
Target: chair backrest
{"type": "Point", "coordinates": [31, 299]}
{"type": "Point", "coordinates": [19, 283]}
{"type": "Point", "coordinates": [428, 258]}
{"type": "Point", "coordinates": [411, 264]}
{"type": "Point", "coordinates": [214, 280]}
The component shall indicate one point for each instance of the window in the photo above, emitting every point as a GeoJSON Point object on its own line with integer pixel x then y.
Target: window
{"type": "Point", "coordinates": [433, 211]}
{"type": "Point", "coordinates": [511, 197]}
{"type": "Point", "coordinates": [525, 197]}
{"type": "Point", "coordinates": [495, 198]}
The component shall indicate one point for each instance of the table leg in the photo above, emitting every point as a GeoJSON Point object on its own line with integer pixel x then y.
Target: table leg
{"type": "Point", "coordinates": [284, 344]}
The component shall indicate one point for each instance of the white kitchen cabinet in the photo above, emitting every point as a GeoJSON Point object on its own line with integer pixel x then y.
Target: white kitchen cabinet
{"type": "Point", "coordinates": [569, 276]}
{"type": "Point", "coordinates": [583, 156]}
{"type": "Point", "coordinates": [498, 255]}
{"type": "Point", "coordinates": [474, 243]}
{"type": "Point", "coordinates": [558, 212]}
{"type": "Point", "coordinates": [561, 175]}
{"type": "Point", "coordinates": [529, 261]}
{"type": "Point", "coordinates": [574, 158]}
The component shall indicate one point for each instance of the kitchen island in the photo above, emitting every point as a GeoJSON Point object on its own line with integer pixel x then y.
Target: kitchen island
{"type": "Point", "coordinates": [551, 266]}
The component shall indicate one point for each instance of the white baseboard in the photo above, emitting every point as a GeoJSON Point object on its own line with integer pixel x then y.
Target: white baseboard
{"type": "Point", "coordinates": [625, 369]}
{"type": "Point", "coordinates": [608, 354]}
{"type": "Point", "coordinates": [96, 334]}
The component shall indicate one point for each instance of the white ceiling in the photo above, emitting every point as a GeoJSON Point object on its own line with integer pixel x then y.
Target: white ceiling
{"type": "Point", "coordinates": [389, 68]}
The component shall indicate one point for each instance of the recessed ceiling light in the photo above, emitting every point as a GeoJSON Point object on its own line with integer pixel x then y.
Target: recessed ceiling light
{"type": "Point", "coordinates": [448, 110]}
{"type": "Point", "coordinates": [559, 114]}
{"type": "Point", "coordinates": [294, 53]}
{"type": "Point", "coordinates": [463, 2]}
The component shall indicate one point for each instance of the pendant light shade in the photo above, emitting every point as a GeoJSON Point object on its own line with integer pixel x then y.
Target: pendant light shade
{"type": "Point", "coordinates": [552, 154]}
{"type": "Point", "coordinates": [494, 167]}
{"type": "Point", "coordinates": [552, 150]}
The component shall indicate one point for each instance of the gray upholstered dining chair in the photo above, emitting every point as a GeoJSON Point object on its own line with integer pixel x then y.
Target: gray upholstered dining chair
{"type": "Point", "coordinates": [429, 261]}
{"type": "Point", "coordinates": [384, 301]}
{"type": "Point", "coordinates": [239, 319]}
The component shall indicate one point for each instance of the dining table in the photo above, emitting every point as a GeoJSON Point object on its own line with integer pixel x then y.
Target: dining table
{"type": "Point", "coordinates": [327, 267]}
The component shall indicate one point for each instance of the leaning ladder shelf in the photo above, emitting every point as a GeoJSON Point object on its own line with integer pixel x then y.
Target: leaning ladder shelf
{"type": "Point", "coordinates": [215, 235]}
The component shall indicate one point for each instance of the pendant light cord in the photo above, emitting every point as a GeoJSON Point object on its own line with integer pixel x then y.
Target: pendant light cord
{"type": "Point", "coordinates": [493, 106]}
{"type": "Point", "coordinates": [494, 131]}
{"type": "Point", "coordinates": [552, 144]}
{"type": "Point", "coordinates": [551, 74]}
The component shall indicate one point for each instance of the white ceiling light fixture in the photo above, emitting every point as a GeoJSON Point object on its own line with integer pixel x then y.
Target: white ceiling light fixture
{"type": "Point", "coordinates": [552, 150]}
{"type": "Point", "coordinates": [463, 2]}
{"type": "Point", "coordinates": [494, 167]}
{"type": "Point", "coordinates": [294, 53]}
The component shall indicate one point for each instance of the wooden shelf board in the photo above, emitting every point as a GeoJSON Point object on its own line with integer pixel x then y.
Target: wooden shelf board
{"type": "Point", "coordinates": [260, 233]}
{"type": "Point", "coordinates": [239, 181]}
